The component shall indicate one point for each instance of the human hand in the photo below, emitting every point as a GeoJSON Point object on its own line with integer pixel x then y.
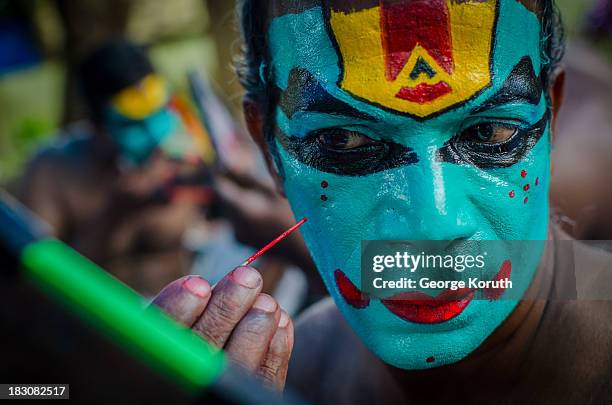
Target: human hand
{"type": "Point", "coordinates": [234, 316]}
{"type": "Point", "coordinates": [143, 182]}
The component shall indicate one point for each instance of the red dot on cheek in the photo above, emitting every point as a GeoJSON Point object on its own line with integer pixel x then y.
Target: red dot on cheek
{"type": "Point", "coordinates": [537, 182]}
{"type": "Point", "coordinates": [430, 359]}
{"type": "Point", "coordinates": [526, 187]}
{"type": "Point", "coordinates": [525, 200]}
{"type": "Point", "coordinates": [523, 173]}
{"type": "Point", "coordinates": [323, 197]}
{"type": "Point", "coordinates": [324, 184]}
{"type": "Point", "coordinates": [511, 194]}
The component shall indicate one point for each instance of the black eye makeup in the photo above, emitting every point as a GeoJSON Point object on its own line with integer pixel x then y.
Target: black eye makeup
{"type": "Point", "coordinates": [346, 152]}
{"type": "Point", "coordinates": [338, 140]}
{"type": "Point", "coordinates": [489, 133]}
{"type": "Point", "coordinates": [493, 144]}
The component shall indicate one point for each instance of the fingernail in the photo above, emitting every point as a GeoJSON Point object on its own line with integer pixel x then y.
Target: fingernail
{"type": "Point", "coordinates": [197, 286]}
{"type": "Point", "coordinates": [246, 276]}
{"type": "Point", "coordinates": [284, 320]}
{"type": "Point", "coordinates": [265, 303]}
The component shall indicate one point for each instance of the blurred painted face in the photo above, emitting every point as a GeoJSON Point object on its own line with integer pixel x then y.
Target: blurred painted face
{"type": "Point", "coordinates": [412, 120]}
{"type": "Point", "coordinates": [138, 119]}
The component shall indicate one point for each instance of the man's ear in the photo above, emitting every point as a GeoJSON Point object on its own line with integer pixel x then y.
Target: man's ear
{"type": "Point", "coordinates": [254, 118]}
{"type": "Point", "coordinates": [557, 90]}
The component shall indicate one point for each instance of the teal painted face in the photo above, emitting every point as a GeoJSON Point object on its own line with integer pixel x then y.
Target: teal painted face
{"type": "Point", "coordinates": [136, 139]}
{"type": "Point", "coordinates": [412, 120]}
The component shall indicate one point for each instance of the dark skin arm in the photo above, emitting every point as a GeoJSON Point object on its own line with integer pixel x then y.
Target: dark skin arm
{"type": "Point", "coordinates": [40, 191]}
{"type": "Point", "coordinates": [52, 188]}
{"type": "Point", "coordinates": [129, 192]}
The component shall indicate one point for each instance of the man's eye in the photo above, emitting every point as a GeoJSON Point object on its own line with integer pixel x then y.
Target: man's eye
{"type": "Point", "coordinates": [347, 153]}
{"type": "Point", "coordinates": [493, 144]}
{"type": "Point", "coordinates": [489, 133]}
{"type": "Point", "coordinates": [341, 139]}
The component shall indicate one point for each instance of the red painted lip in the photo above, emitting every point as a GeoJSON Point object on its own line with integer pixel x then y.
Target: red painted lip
{"type": "Point", "coordinates": [424, 93]}
{"type": "Point", "coordinates": [418, 307]}
{"type": "Point", "coordinates": [349, 291]}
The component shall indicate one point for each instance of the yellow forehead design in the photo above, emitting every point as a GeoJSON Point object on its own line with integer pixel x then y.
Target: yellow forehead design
{"type": "Point", "coordinates": [142, 99]}
{"type": "Point", "coordinates": [417, 57]}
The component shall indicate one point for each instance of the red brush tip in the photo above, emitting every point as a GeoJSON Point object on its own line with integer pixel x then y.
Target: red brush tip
{"type": "Point", "coordinates": [274, 242]}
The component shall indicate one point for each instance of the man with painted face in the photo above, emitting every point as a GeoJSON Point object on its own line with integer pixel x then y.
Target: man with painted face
{"type": "Point", "coordinates": [103, 185]}
{"type": "Point", "coordinates": [415, 120]}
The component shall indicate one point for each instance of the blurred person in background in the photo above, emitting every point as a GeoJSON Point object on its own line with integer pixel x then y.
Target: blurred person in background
{"type": "Point", "coordinates": [599, 20]}
{"type": "Point", "coordinates": [127, 187]}
{"type": "Point", "coordinates": [109, 186]}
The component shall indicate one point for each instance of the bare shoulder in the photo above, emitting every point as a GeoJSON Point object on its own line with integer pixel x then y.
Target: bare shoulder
{"type": "Point", "coordinates": [54, 169]}
{"type": "Point", "coordinates": [314, 330]}
{"type": "Point", "coordinates": [318, 321]}
{"type": "Point", "coordinates": [319, 330]}
{"type": "Point", "coordinates": [593, 266]}
{"type": "Point", "coordinates": [59, 156]}
{"type": "Point", "coordinates": [583, 269]}
{"type": "Point", "coordinates": [40, 177]}
{"type": "Point", "coordinates": [574, 339]}
{"type": "Point", "coordinates": [330, 364]}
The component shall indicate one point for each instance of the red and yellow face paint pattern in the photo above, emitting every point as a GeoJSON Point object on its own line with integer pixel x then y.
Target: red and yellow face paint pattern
{"type": "Point", "coordinates": [143, 99]}
{"type": "Point", "coordinates": [418, 57]}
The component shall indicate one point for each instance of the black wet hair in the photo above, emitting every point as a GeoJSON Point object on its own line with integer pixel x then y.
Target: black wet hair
{"type": "Point", "coordinates": [251, 63]}
{"type": "Point", "coordinates": [553, 40]}
{"type": "Point", "coordinates": [110, 68]}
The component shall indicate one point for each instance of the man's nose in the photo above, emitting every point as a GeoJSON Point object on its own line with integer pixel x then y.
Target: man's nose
{"type": "Point", "coordinates": [426, 202]}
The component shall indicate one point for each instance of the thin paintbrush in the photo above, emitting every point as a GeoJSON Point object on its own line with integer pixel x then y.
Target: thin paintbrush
{"type": "Point", "coordinates": [274, 242]}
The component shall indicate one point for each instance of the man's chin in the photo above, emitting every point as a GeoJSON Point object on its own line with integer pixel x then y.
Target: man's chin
{"type": "Point", "coordinates": [412, 346]}
{"type": "Point", "coordinates": [417, 352]}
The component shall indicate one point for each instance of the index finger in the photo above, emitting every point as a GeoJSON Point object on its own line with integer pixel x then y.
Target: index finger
{"type": "Point", "coordinates": [184, 299]}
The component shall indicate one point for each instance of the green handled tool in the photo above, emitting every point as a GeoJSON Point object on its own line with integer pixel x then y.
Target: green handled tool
{"type": "Point", "coordinates": [118, 311]}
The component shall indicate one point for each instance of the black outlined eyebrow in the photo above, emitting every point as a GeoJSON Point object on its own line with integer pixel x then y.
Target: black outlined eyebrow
{"type": "Point", "coordinates": [304, 93]}
{"type": "Point", "coordinates": [522, 85]}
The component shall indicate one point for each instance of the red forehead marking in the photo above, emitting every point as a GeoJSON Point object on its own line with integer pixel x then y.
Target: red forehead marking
{"type": "Point", "coordinates": [407, 23]}
{"type": "Point", "coordinates": [424, 93]}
